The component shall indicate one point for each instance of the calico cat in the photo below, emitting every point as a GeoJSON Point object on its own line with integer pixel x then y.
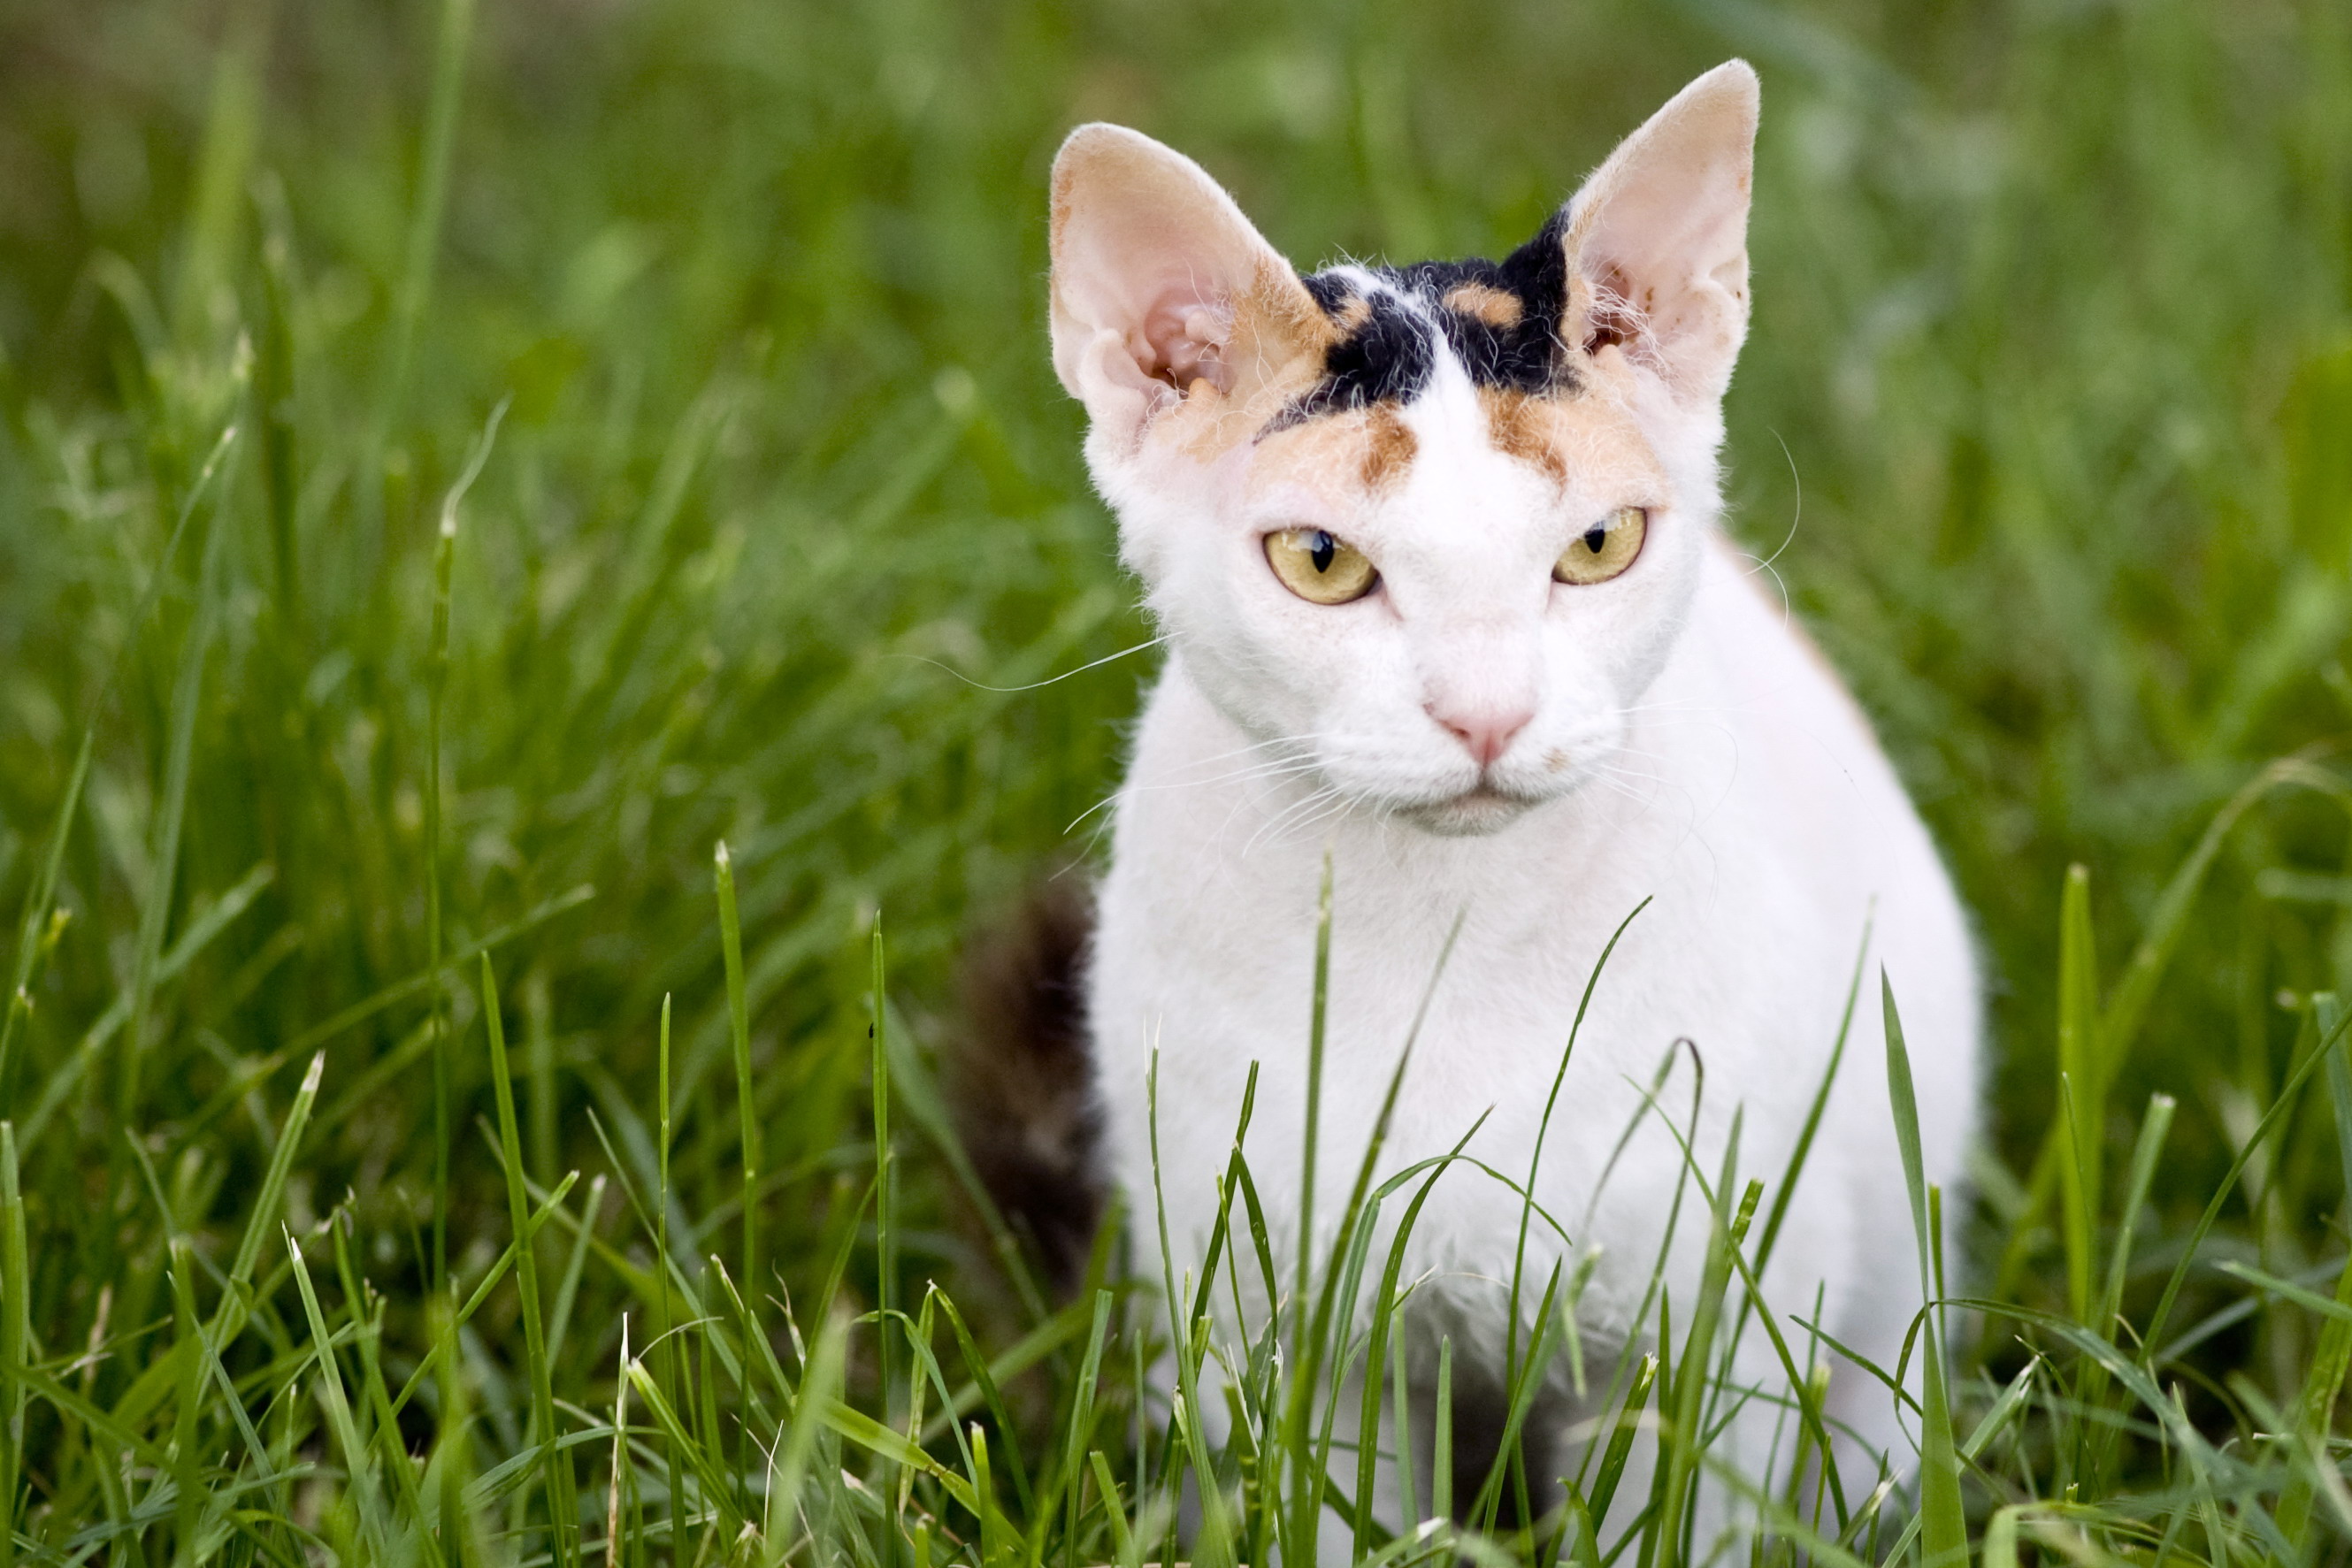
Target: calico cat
{"type": "Point", "coordinates": [1448, 609]}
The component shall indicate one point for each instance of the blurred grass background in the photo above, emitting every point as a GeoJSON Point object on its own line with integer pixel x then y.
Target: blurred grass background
{"type": "Point", "coordinates": [2046, 422]}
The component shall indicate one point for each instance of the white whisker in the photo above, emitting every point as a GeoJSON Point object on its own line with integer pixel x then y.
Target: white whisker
{"type": "Point", "coordinates": [1033, 686]}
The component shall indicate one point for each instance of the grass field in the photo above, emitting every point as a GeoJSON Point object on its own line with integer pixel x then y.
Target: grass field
{"type": "Point", "coordinates": [464, 462]}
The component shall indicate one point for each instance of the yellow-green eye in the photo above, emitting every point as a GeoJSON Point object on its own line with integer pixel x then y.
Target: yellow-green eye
{"type": "Point", "coordinates": [1317, 567]}
{"type": "Point", "coordinates": [1604, 549]}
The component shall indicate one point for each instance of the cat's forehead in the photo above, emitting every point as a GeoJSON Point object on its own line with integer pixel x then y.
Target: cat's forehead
{"type": "Point", "coordinates": [1393, 339]}
{"type": "Point", "coordinates": [1467, 354]}
{"type": "Point", "coordinates": [1389, 326]}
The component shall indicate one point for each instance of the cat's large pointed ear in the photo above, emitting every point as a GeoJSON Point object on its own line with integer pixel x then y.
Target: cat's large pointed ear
{"type": "Point", "coordinates": [1161, 285]}
{"type": "Point", "coordinates": [1657, 238]}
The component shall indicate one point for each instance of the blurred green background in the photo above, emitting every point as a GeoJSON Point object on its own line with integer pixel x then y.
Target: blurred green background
{"type": "Point", "coordinates": [2046, 422]}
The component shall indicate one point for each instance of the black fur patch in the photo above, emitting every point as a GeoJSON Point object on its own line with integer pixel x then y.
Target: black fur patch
{"type": "Point", "coordinates": [1386, 354]}
{"type": "Point", "coordinates": [1389, 344]}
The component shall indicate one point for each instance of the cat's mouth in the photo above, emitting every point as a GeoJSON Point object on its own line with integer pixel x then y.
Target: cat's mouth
{"type": "Point", "coordinates": [1481, 809]}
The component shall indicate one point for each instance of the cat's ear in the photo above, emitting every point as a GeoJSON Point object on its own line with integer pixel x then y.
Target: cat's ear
{"type": "Point", "coordinates": [1161, 284]}
{"type": "Point", "coordinates": [1657, 241]}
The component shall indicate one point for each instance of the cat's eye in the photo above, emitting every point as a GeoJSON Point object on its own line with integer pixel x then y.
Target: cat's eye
{"type": "Point", "coordinates": [1604, 549]}
{"type": "Point", "coordinates": [1317, 567]}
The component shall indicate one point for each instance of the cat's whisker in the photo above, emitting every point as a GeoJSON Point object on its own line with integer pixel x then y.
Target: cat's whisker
{"type": "Point", "coordinates": [1279, 768]}
{"type": "Point", "coordinates": [1033, 686]}
{"type": "Point", "coordinates": [1298, 815]}
{"type": "Point", "coordinates": [1797, 516]}
{"type": "Point", "coordinates": [1302, 741]}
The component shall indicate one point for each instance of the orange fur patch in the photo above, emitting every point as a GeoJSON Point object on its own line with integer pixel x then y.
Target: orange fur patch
{"type": "Point", "coordinates": [1522, 427]}
{"type": "Point", "coordinates": [1388, 447]}
{"type": "Point", "coordinates": [1374, 446]}
{"type": "Point", "coordinates": [1492, 306]}
{"type": "Point", "coordinates": [1274, 351]}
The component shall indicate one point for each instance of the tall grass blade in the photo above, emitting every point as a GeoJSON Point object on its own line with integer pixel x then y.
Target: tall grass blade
{"type": "Point", "coordinates": [739, 1026]}
{"type": "Point", "coordinates": [666, 1323]}
{"type": "Point", "coordinates": [885, 1227]}
{"type": "Point", "coordinates": [16, 1340]}
{"type": "Point", "coordinates": [2082, 1090]}
{"type": "Point", "coordinates": [1543, 1131]}
{"type": "Point", "coordinates": [2153, 1129]}
{"type": "Point", "coordinates": [1943, 1525]}
{"type": "Point", "coordinates": [563, 1501]}
{"type": "Point", "coordinates": [1114, 1512]}
{"type": "Point", "coordinates": [272, 1191]}
{"type": "Point", "coordinates": [359, 1473]}
{"type": "Point", "coordinates": [1080, 1432]}
{"type": "Point", "coordinates": [1306, 1483]}
{"type": "Point", "coordinates": [1804, 1144]}
{"type": "Point", "coordinates": [2323, 1380]}
{"type": "Point", "coordinates": [436, 689]}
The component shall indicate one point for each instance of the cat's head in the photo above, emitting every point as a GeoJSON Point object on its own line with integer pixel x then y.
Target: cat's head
{"type": "Point", "coordinates": [1429, 529]}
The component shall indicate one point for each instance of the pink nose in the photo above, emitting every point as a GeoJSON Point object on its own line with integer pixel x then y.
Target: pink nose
{"type": "Point", "coordinates": [1484, 733]}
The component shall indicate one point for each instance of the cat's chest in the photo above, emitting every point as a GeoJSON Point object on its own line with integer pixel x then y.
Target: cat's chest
{"type": "Point", "coordinates": [1206, 950]}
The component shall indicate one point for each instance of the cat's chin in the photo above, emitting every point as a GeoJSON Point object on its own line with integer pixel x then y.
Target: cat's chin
{"type": "Point", "coordinates": [1469, 815]}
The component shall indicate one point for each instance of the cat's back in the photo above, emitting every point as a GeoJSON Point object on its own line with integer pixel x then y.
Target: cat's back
{"type": "Point", "coordinates": [1818, 814]}
{"type": "Point", "coordinates": [1822, 796]}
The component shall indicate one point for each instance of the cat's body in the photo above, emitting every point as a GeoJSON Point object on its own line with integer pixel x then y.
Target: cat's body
{"type": "Point", "coordinates": [1761, 822]}
{"type": "Point", "coordinates": [1438, 555]}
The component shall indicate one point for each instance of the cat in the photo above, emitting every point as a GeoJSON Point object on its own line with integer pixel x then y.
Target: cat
{"type": "Point", "coordinates": [1450, 617]}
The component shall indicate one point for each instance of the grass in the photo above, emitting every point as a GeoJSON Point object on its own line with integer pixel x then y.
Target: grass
{"type": "Point", "coordinates": [461, 464]}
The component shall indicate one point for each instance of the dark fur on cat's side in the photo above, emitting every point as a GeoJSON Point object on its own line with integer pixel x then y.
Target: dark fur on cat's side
{"type": "Point", "coordinates": [1021, 1081]}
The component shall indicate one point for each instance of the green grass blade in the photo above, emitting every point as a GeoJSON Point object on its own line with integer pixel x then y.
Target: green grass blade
{"type": "Point", "coordinates": [359, 1472]}
{"type": "Point", "coordinates": [1804, 1144]}
{"type": "Point", "coordinates": [2153, 1129]}
{"type": "Point", "coordinates": [1441, 1450]}
{"type": "Point", "coordinates": [1306, 1481]}
{"type": "Point", "coordinates": [1123, 1549]}
{"type": "Point", "coordinates": [272, 1192]}
{"type": "Point", "coordinates": [563, 1501]}
{"type": "Point", "coordinates": [1079, 1432]}
{"type": "Point", "coordinates": [15, 1339]}
{"type": "Point", "coordinates": [739, 1028]}
{"type": "Point", "coordinates": [667, 1322]}
{"type": "Point", "coordinates": [885, 1227]}
{"type": "Point", "coordinates": [575, 1267]}
{"type": "Point", "coordinates": [1944, 1526]}
{"type": "Point", "coordinates": [1543, 1130]}
{"type": "Point", "coordinates": [1622, 1430]}
{"type": "Point", "coordinates": [2082, 1092]}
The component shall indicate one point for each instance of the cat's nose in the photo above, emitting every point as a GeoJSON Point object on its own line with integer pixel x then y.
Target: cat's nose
{"type": "Point", "coordinates": [1485, 733]}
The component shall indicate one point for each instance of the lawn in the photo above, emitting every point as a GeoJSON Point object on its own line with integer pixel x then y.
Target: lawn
{"type": "Point", "coordinates": [462, 463]}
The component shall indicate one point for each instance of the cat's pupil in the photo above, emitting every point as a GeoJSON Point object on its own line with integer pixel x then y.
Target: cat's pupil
{"type": "Point", "coordinates": [1323, 549]}
{"type": "Point", "coordinates": [1594, 537]}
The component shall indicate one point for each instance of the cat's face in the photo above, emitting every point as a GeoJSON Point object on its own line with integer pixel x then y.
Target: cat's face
{"type": "Point", "coordinates": [1426, 533]}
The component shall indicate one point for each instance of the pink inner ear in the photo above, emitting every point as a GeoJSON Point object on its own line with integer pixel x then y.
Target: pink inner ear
{"type": "Point", "coordinates": [1187, 337]}
{"type": "Point", "coordinates": [1611, 318]}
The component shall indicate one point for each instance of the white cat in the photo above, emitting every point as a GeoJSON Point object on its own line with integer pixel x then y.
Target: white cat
{"type": "Point", "coordinates": [1436, 551]}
